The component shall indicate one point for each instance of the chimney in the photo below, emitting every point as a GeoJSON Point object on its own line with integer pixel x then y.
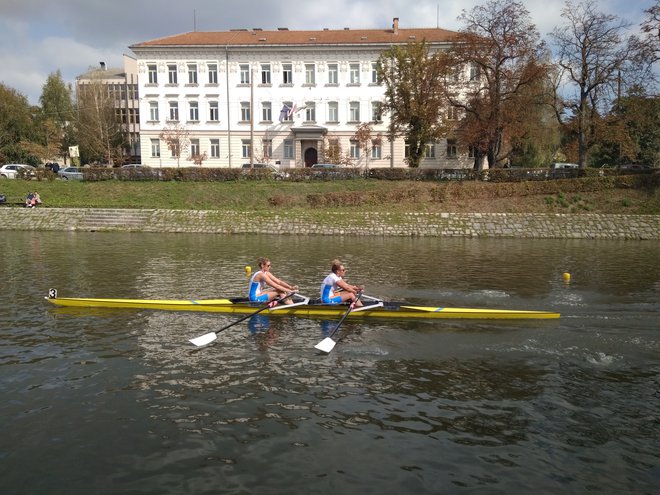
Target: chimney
{"type": "Point", "coordinates": [102, 65]}
{"type": "Point", "coordinates": [395, 25]}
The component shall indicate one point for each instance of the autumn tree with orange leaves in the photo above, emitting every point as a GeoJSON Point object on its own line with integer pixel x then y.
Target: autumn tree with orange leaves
{"type": "Point", "coordinates": [501, 74]}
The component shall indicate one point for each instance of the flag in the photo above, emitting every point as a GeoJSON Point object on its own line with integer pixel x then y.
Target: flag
{"type": "Point", "coordinates": [293, 110]}
{"type": "Point", "coordinates": [284, 113]}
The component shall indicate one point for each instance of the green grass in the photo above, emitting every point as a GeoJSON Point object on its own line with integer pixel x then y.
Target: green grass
{"type": "Point", "coordinates": [394, 196]}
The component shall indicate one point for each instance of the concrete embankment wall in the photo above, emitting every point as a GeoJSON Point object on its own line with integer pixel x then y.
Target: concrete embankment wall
{"type": "Point", "coordinates": [523, 225]}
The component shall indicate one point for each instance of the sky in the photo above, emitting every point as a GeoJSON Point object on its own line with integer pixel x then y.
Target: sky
{"type": "Point", "coordinates": [40, 37]}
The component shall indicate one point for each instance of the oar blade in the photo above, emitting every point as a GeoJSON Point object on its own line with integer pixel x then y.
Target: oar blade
{"type": "Point", "coordinates": [204, 339]}
{"type": "Point", "coordinates": [326, 345]}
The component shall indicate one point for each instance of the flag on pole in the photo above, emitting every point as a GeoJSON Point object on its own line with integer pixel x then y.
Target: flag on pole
{"type": "Point", "coordinates": [284, 113]}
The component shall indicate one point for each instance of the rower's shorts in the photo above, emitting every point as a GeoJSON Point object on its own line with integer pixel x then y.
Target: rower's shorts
{"type": "Point", "coordinates": [262, 298]}
{"type": "Point", "coordinates": [332, 300]}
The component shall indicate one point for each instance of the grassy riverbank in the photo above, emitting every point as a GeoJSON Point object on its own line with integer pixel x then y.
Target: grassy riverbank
{"type": "Point", "coordinates": [624, 194]}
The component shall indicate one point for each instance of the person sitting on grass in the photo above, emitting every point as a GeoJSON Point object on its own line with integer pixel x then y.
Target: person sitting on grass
{"type": "Point", "coordinates": [32, 199]}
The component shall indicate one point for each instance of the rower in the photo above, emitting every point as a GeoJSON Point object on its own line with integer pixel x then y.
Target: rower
{"type": "Point", "coordinates": [335, 290]}
{"type": "Point", "coordinates": [258, 292]}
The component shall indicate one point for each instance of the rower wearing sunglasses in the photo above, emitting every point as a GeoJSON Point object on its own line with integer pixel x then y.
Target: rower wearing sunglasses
{"type": "Point", "coordinates": [264, 286]}
{"type": "Point", "coordinates": [335, 290]}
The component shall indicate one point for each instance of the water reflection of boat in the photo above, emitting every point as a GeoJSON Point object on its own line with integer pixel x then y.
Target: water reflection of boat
{"type": "Point", "coordinates": [312, 309]}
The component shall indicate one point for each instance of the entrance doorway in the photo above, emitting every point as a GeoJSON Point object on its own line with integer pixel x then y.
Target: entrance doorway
{"type": "Point", "coordinates": [311, 156]}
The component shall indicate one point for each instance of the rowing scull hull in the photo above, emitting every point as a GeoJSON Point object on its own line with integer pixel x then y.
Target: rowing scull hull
{"type": "Point", "coordinates": [389, 310]}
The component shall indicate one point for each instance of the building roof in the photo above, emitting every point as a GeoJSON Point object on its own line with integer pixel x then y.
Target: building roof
{"type": "Point", "coordinates": [102, 74]}
{"type": "Point", "coordinates": [284, 37]}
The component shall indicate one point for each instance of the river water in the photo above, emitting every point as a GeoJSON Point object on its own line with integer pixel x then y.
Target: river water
{"type": "Point", "coordinates": [118, 401]}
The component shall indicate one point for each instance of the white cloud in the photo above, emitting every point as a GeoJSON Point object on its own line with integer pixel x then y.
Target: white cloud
{"type": "Point", "coordinates": [39, 37]}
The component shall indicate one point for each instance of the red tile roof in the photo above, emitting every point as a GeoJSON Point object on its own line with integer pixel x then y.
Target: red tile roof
{"type": "Point", "coordinates": [286, 37]}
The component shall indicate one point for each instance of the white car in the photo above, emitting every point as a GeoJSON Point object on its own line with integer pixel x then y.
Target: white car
{"type": "Point", "coordinates": [70, 173]}
{"type": "Point", "coordinates": [14, 170]}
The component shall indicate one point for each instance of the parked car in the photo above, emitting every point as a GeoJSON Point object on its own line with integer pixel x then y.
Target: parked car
{"type": "Point", "coordinates": [326, 166]}
{"type": "Point", "coordinates": [132, 165]}
{"type": "Point", "coordinates": [70, 173]}
{"type": "Point", "coordinates": [565, 170]}
{"type": "Point", "coordinates": [327, 169]}
{"type": "Point", "coordinates": [266, 166]}
{"type": "Point", "coordinates": [16, 170]}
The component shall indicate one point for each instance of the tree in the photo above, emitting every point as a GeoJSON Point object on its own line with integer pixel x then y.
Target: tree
{"type": "Point", "coordinates": [592, 54]}
{"type": "Point", "coordinates": [499, 75]}
{"type": "Point", "coordinates": [366, 140]}
{"type": "Point", "coordinates": [101, 135]}
{"type": "Point", "coordinates": [56, 117]}
{"type": "Point", "coordinates": [332, 152]}
{"type": "Point", "coordinates": [414, 95]}
{"type": "Point", "coordinates": [630, 133]}
{"type": "Point", "coordinates": [646, 49]}
{"type": "Point", "coordinates": [177, 138]}
{"type": "Point", "coordinates": [16, 126]}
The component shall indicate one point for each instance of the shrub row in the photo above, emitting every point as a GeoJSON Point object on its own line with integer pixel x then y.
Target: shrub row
{"type": "Point", "coordinates": [198, 174]}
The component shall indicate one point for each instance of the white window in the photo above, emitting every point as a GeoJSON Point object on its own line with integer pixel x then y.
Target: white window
{"type": "Point", "coordinates": [171, 74]}
{"type": "Point", "coordinates": [265, 73]}
{"type": "Point", "coordinates": [429, 151]}
{"type": "Point", "coordinates": [153, 110]}
{"type": "Point", "coordinates": [333, 74]}
{"type": "Point", "coordinates": [245, 148]}
{"type": "Point", "coordinates": [214, 114]}
{"type": "Point", "coordinates": [266, 111]}
{"type": "Point", "coordinates": [333, 111]}
{"type": "Point", "coordinates": [174, 110]}
{"type": "Point", "coordinates": [452, 113]}
{"type": "Point", "coordinates": [155, 148]}
{"type": "Point", "coordinates": [287, 74]}
{"type": "Point", "coordinates": [215, 148]}
{"type": "Point", "coordinates": [376, 151]}
{"type": "Point", "coordinates": [194, 111]}
{"type": "Point", "coordinates": [288, 149]}
{"type": "Point", "coordinates": [354, 71]}
{"type": "Point", "coordinates": [375, 111]}
{"type": "Point", "coordinates": [175, 150]}
{"type": "Point", "coordinates": [355, 149]}
{"type": "Point", "coordinates": [153, 73]}
{"type": "Point", "coordinates": [310, 74]}
{"type": "Point", "coordinates": [310, 111]}
{"type": "Point", "coordinates": [267, 148]}
{"type": "Point", "coordinates": [452, 149]}
{"type": "Point", "coordinates": [245, 73]}
{"type": "Point", "coordinates": [354, 111]}
{"type": "Point", "coordinates": [472, 151]}
{"type": "Point", "coordinates": [374, 74]}
{"type": "Point", "coordinates": [192, 73]}
{"type": "Point", "coordinates": [474, 72]}
{"type": "Point", "coordinates": [245, 111]}
{"type": "Point", "coordinates": [194, 147]}
{"type": "Point", "coordinates": [213, 73]}
{"type": "Point", "coordinates": [333, 147]}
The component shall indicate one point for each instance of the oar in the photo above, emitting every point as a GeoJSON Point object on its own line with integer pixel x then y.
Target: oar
{"type": "Point", "coordinates": [327, 344]}
{"type": "Point", "coordinates": [210, 337]}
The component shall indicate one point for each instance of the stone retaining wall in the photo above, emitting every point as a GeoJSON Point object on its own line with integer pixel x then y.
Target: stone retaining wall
{"type": "Point", "coordinates": [524, 225]}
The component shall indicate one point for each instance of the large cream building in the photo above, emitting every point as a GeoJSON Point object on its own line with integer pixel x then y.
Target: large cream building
{"type": "Point", "coordinates": [293, 94]}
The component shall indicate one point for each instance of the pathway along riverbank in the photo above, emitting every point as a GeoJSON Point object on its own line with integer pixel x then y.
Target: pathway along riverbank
{"type": "Point", "coordinates": [502, 225]}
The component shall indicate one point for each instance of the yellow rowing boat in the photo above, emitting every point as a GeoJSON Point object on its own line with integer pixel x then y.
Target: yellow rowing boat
{"type": "Point", "coordinates": [372, 309]}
